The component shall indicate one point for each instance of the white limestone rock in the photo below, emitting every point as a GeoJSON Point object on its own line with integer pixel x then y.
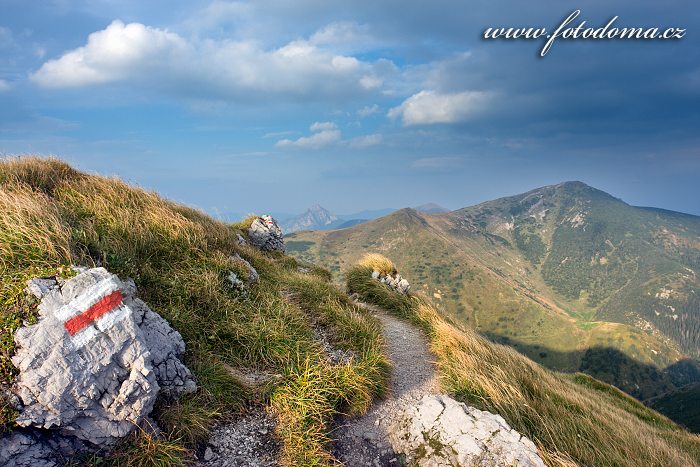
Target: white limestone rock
{"type": "Point", "coordinates": [439, 431]}
{"type": "Point", "coordinates": [266, 234]}
{"type": "Point", "coordinates": [396, 283]}
{"type": "Point", "coordinates": [96, 376]}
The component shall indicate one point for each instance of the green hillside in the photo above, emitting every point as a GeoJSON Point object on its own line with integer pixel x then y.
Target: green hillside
{"type": "Point", "coordinates": [567, 274]}
{"type": "Point", "coordinates": [52, 217]}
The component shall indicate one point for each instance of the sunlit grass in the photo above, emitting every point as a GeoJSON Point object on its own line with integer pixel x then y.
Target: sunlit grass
{"type": "Point", "coordinates": [52, 216]}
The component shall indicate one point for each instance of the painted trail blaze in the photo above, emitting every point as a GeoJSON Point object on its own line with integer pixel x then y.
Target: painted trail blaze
{"type": "Point", "coordinates": [101, 308]}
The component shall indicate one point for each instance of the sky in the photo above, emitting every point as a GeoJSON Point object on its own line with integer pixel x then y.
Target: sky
{"type": "Point", "coordinates": [272, 106]}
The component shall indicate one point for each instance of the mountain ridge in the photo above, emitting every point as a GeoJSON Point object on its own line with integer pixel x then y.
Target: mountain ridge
{"type": "Point", "coordinates": [560, 272]}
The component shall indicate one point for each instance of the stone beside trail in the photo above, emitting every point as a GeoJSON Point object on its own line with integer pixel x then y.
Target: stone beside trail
{"type": "Point", "coordinates": [441, 431]}
{"type": "Point", "coordinates": [91, 368]}
{"type": "Point", "coordinates": [364, 440]}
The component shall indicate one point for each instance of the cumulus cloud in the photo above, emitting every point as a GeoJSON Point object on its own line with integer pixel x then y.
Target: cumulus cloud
{"type": "Point", "coordinates": [141, 54]}
{"type": "Point", "coordinates": [429, 107]}
{"type": "Point", "coordinates": [121, 51]}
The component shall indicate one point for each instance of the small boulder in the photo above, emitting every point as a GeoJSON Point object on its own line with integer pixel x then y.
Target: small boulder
{"type": "Point", "coordinates": [439, 431]}
{"type": "Point", "coordinates": [266, 234]}
{"type": "Point", "coordinates": [93, 365]}
{"type": "Point", "coordinates": [396, 283]}
{"type": "Point", "coordinates": [253, 275]}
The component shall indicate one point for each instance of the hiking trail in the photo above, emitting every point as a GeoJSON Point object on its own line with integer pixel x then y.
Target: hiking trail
{"type": "Point", "coordinates": [363, 440]}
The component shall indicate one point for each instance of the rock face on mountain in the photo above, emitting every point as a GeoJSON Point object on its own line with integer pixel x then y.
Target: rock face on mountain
{"type": "Point", "coordinates": [315, 218]}
{"type": "Point", "coordinates": [95, 362]}
{"type": "Point", "coordinates": [439, 431]}
{"type": "Point", "coordinates": [266, 234]}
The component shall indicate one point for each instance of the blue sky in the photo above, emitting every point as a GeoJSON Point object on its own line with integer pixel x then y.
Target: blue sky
{"type": "Point", "coordinates": [271, 105]}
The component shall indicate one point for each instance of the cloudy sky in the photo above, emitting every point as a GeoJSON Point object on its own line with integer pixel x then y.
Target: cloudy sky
{"type": "Point", "coordinates": [274, 105]}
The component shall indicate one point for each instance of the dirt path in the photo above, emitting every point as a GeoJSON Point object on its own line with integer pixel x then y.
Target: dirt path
{"type": "Point", "coordinates": [363, 441]}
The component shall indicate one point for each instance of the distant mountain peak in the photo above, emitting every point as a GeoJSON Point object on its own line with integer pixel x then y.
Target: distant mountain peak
{"type": "Point", "coordinates": [315, 218]}
{"type": "Point", "coordinates": [431, 208]}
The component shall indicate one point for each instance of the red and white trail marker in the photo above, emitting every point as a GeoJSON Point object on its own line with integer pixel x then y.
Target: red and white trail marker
{"type": "Point", "coordinates": [96, 310]}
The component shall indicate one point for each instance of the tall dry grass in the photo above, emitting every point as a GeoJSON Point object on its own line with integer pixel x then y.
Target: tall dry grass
{"type": "Point", "coordinates": [379, 263]}
{"type": "Point", "coordinates": [52, 216]}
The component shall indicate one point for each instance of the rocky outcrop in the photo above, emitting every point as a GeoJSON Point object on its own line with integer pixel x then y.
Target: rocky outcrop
{"type": "Point", "coordinates": [252, 273]}
{"type": "Point", "coordinates": [440, 431]}
{"type": "Point", "coordinates": [397, 283]}
{"type": "Point", "coordinates": [95, 362]}
{"type": "Point", "coordinates": [266, 234]}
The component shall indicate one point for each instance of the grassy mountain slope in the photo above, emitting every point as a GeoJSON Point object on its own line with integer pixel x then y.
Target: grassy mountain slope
{"type": "Point", "coordinates": [568, 275]}
{"type": "Point", "coordinates": [52, 216]}
{"type": "Point", "coordinates": [574, 419]}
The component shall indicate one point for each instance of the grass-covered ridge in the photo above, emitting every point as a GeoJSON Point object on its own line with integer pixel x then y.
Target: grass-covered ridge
{"type": "Point", "coordinates": [52, 216]}
{"type": "Point", "coordinates": [574, 419]}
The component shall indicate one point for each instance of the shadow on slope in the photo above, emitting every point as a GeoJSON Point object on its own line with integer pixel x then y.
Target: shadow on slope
{"type": "Point", "coordinates": [643, 381]}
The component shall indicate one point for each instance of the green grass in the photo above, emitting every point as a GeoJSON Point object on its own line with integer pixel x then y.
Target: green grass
{"type": "Point", "coordinates": [52, 216]}
{"type": "Point", "coordinates": [573, 419]}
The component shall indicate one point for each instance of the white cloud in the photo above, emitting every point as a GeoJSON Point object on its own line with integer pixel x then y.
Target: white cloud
{"type": "Point", "coordinates": [315, 141]}
{"type": "Point", "coordinates": [323, 134]}
{"type": "Point", "coordinates": [368, 110]}
{"type": "Point", "coordinates": [121, 51]}
{"type": "Point", "coordinates": [320, 126]}
{"type": "Point", "coordinates": [222, 69]}
{"type": "Point", "coordinates": [437, 163]}
{"type": "Point", "coordinates": [365, 141]}
{"type": "Point", "coordinates": [327, 133]}
{"type": "Point", "coordinates": [428, 107]}
{"type": "Point", "coordinates": [4, 85]}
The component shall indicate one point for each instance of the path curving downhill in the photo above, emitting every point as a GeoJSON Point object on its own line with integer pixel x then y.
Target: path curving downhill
{"type": "Point", "coordinates": [363, 440]}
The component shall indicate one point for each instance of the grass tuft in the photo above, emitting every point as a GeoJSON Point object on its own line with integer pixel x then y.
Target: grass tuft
{"type": "Point", "coordinates": [146, 448]}
{"type": "Point", "coordinates": [379, 263]}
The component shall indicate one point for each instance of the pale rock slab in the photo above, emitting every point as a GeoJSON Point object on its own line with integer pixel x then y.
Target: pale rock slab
{"type": "Point", "coordinates": [439, 431]}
